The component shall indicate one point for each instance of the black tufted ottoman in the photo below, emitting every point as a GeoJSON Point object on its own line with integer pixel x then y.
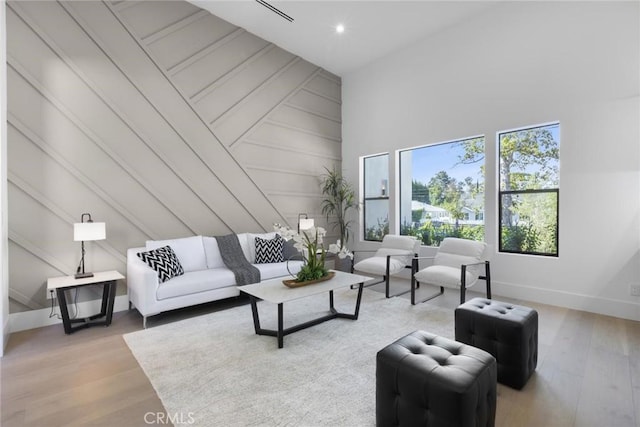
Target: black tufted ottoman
{"type": "Point", "coordinates": [423, 379]}
{"type": "Point", "coordinates": [509, 332]}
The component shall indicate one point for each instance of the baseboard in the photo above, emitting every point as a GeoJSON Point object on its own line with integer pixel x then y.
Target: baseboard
{"type": "Point", "coordinates": [38, 318]}
{"type": "Point", "coordinates": [5, 336]}
{"type": "Point", "coordinates": [606, 306]}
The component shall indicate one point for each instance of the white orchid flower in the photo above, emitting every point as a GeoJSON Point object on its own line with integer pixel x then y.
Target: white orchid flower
{"type": "Point", "coordinates": [340, 250]}
{"type": "Point", "coordinates": [305, 239]}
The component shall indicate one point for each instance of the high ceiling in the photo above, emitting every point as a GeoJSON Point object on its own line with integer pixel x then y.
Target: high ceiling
{"type": "Point", "coordinates": [372, 28]}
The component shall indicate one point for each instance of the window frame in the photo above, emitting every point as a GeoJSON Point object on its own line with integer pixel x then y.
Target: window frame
{"type": "Point", "coordinates": [501, 193]}
{"type": "Point", "coordinates": [366, 199]}
{"type": "Point", "coordinates": [399, 176]}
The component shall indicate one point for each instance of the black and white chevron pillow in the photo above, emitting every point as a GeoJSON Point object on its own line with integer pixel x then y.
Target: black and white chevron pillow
{"type": "Point", "coordinates": [164, 261]}
{"type": "Point", "coordinates": [269, 250]}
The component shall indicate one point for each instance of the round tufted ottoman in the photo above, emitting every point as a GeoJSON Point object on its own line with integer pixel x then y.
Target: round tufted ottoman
{"type": "Point", "coordinates": [509, 332]}
{"type": "Point", "coordinates": [423, 379]}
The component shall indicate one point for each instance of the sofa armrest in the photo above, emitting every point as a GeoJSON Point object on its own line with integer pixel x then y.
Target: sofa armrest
{"type": "Point", "coordinates": [142, 283]}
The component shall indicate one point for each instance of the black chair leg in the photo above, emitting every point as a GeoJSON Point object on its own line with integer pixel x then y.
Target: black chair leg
{"type": "Point", "coordinates": [430, 297]}
{"type": "Point", "coordinates": [463, 284]}
{"type": "Point", "coordinates": [487, 278]}
{"type": "Point", "coordinates": [415, 284]}
{"type": "Point", "coordinates": [386, 285]}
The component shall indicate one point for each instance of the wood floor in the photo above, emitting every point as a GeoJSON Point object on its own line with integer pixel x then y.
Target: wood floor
{"type": "Point", "coordinates": [588, 373]}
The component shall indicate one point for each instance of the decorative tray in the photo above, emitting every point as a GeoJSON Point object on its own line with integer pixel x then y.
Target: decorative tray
{"type": "Point", "coordinates": [292, 283]}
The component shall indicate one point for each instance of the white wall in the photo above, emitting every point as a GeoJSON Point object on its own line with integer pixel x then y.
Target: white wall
{"type": "Point", "coordinates": [526, 63]}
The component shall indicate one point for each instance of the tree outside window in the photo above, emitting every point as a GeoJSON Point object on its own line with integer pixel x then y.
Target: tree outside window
{"type": "Point", "coordinates": [442, 191]}
{"type": "Point", "coordinates": [529, 190]}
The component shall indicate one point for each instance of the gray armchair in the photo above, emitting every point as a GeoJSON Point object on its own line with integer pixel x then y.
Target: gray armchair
{"type": "Point", "coordinates": [393, 256]}
{"type": "Point", "coordinates": [458, 264]}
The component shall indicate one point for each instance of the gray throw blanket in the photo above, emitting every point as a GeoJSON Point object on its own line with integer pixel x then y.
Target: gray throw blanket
{"type": "Point", "coordinates": [234, 259]}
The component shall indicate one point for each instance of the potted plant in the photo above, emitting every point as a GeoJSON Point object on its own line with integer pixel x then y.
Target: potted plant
{"type": "Point", "coordinates": [339, 199]}
{"type": "Point", "coordinates": [309, 243]}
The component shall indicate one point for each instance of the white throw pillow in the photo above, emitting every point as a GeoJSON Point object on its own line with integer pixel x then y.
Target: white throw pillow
{"type": "Point", "coordinates": [189, 250]}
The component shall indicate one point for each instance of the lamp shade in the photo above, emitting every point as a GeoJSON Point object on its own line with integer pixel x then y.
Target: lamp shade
{"type": "Point", "coordinates": [306, 223]}
{"type": "Point", "coordinates": [86, 231]}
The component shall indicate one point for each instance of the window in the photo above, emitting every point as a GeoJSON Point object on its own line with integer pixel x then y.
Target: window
{"type": "Point", "coordinates": [528, 198]}
{"type": "Point", "coordinates": [376, 196]}
{"type": "Point", "coordinates": [442, 191]}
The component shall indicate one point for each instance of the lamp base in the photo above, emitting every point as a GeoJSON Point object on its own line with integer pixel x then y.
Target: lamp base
{"type": "Point", "coordinates": [83, 275]}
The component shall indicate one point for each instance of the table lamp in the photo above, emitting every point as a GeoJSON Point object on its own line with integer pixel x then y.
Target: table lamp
{"type": "Point", "coordinates": [84, 232]}
{"type": "Point", "coordinates": [304, 222]}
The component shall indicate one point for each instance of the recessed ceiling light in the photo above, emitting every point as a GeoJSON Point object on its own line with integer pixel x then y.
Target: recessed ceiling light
{"type": "Point", "coordinates": [339, 28]}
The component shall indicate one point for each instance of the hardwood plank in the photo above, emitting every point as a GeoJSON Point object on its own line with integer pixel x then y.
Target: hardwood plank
{"type": "Point", "coordinates": [605, 395]}
{"type": "Point", "coordinates": [633, 340]}
{"type": "Point", "coordinates": [87, 378]}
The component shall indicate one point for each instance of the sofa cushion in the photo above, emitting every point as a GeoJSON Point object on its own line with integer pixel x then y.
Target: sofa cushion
{"type": "Point", "coordinates": [443, 275]}
{"type": "Point", "coordinates": [243, 238]}
{"type": "Point", "coordinates": [269, 250]}
{"type": "Point", "coordinates": [212, 252]}
{"type": "Point", "coordinates": [378, 265]}
{"type": "Point", "coordinates": [164, 261]}
{"type": "Point", "coordinates": [454, 252]}
{"type": "Point", "coordinates": [397, 246]}
{"type": "Point", "coordinates": [189, 250]}
{"type": "Point", "coordinates": [195, 282]}
{"type": "Point", "coordinates": [289, 251]}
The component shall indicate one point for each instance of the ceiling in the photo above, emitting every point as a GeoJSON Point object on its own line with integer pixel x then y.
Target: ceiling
{"type": "Point", "coordinates": [373, 29]}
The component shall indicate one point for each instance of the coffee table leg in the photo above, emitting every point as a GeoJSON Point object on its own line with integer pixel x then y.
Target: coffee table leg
{"type": "Point", "coordinates": [254, 310]}
{"type": "Point", "coordinates": [331, 308]}
{"type": "Point", "coordinates": [280, 326]}
{"type": "Point", "coordinates": [358, 300]}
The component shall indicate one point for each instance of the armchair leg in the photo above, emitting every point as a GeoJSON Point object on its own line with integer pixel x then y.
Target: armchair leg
{"type": "Point", "coordinates": [430, 297]}
{"type": "Point", "coordinates": [386, 286]}
{"type": "Point", "coordinates": [415, 284]}
{"type": "Point", "coordinates": [487, 278]}
{"type": "Point", "coordinates": [387, 278]}
{"type": "Point", "coordinates": [463, 284]}
{"type": "Point", "coordinates": [386, 290]}
{"type": "Point", "coordinates": [383, 280]}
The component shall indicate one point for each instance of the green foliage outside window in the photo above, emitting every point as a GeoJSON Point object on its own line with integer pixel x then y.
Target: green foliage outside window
{"type": "Point", "coordinates": [378, 231]}
{"type": "Point", "coordinates": [529, 189]}
{"type": "Point", "coordinates": [447, 191]}
{"type": "Point", "coordinates": [432, 233]}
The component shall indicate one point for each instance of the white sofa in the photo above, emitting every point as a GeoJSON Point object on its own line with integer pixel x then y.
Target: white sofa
{"type": "Point", "coordinates": [205, 278]}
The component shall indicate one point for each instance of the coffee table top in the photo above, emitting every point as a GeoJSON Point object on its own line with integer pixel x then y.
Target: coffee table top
{"type": "Point", "coordinates": [273, 290]}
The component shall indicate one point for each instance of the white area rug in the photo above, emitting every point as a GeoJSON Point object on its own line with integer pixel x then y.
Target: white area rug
{"type": "Point", "coordinates": [215, 371]}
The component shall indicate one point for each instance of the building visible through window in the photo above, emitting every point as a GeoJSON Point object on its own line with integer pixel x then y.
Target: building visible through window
{"type": "Point", "coordinates": [442, 191]}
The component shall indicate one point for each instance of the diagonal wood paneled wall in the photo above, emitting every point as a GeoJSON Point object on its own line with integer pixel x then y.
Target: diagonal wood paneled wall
{"type": "Point", "coordinates": [161, 120]}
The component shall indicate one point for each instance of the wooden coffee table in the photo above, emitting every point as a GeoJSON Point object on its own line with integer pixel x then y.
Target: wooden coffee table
{"type": "Point", "coordinates": [274, 291]}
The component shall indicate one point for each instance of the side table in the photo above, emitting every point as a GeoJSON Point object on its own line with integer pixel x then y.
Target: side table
{"type": "Point", "coordinates": [108, 280]}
